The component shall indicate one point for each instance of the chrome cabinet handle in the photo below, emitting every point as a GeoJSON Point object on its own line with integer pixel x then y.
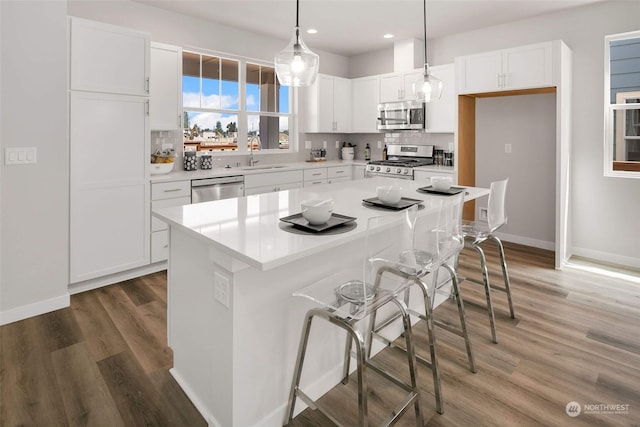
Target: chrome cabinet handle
{"type": "Point", "coordinates": [171, 190]}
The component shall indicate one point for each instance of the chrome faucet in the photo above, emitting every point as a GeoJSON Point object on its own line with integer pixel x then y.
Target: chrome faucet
{"type": "Point", "coordinates": [252, 162]}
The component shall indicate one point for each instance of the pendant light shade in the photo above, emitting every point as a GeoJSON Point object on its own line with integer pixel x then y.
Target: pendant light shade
{"type": "Point", "coordinates": [430, 88]}
{"type": "Point", "coordinates": [296, 65]}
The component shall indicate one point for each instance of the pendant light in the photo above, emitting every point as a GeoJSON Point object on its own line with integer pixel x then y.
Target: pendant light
{"type": "Point", "coordinates": [430, 88]}
{"type": "Point", "coordinates": [296, 65]}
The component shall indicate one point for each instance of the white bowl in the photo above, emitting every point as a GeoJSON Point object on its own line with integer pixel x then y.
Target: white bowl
{"type": "Point", "coordinates": [390, 194]}
{"type": "Point", "coordinates": [317, 211]}
{"type": "Point", "coordinates": [160, 168]}
{"type": "Point", "coordinates": [441, 183]}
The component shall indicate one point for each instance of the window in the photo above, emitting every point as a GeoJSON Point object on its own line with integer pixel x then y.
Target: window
{"type": "Point", "coordinates": [622, 105]}
{"type": "Point", "coordinates": [267, 108]}
{"type": "Point", "coordinates": [230, 100]}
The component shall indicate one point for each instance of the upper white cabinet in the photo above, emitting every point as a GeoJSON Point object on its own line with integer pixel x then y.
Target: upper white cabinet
{"type": "Point", "coordinates": [399, 86]}
{"type": "Point", "coordinates": [365, 96]}
{"type": "Point", "coordinates": [328, 105]}
{"type": "Point", "coordinates": [523, 67]}
{"type": "Point", "coordinates": [107, 58]}
{"type": "Point", "coordinates": [165, 87]}
{"type": "Point", "coordinates": [441, 114]}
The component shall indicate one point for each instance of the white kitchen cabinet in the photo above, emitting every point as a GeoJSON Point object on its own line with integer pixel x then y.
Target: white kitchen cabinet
{"type": "Point", "coordinates": [399, 86]}
{"type": "Point", "coordinates": [358, 171]}
{"type": "Point", "coordinates": [523, 67]}
{"type": "Point", "coordinates": [328, 105]}
{"type": "Point", "coordinates": [272, 181]}
{"type": "Point", "coordinates": [165, 103]}
{"type": "Point", "coordinates": [339, 173]}
{"type": "Point", "coordinates": [163, 195]}
{"type": "Point", "coordinates": [109, 184]}
{"type": "Point", "coordinates": [365, 96]}
{"type": "Point", "coordinates": [315, 176]}
{"type": "Point", "coordinates": [107, 58]}
{"type": "Point", "coordinates": [441, 113]}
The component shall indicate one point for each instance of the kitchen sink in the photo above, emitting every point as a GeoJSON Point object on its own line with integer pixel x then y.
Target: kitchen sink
{"type": "Point", "coordinates": [254, 168]}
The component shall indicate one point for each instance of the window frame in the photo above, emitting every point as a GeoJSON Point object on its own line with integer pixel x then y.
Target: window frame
{"type": "Point", "coordinates": [612, 168]}
{"type": "Point", "coordinates": [242, 113]}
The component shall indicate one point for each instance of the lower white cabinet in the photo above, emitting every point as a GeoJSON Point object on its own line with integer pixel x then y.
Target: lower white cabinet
{"type": "Point", "coordinates": [272, 181]}
{"type": "Point", "coordinates": [163, 195]}
{"type": "Point", "coordinates": [339, 173]}
{"type": "Point", "coordinates": [358, 171]}
{"type": "Point", "coordinates": [316, 176]}
{"type": "Point", "coordinates": [109, 184]}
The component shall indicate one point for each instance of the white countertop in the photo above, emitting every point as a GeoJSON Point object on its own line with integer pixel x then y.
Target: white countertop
{"type": "Point", "coordinates": [181, 175]}
{"type": "Point", "coordinates": [247, 228]}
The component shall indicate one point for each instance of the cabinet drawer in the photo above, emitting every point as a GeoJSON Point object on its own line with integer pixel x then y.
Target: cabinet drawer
{"type": "Point", "coordinates": [339, 172]}
{"type": "Point", "coordinates": [315, 174]}
{"type": "Point", "coordinates": [169, 190]}
{"type": "Point", "coordinates": [339, 179]}
{"type": "Point", "coordinates": [273, 178]}
{"type": "Point", "coordinates": [159, 245]}
{"type": "Point", "coordinates": [156, 224]}
{"type": "Point", "coordinates": [315, 182]}
{"type": "Point", "coordinates": [424, 177]}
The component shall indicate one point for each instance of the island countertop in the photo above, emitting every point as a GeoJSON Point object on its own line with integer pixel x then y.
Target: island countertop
{"type": "Point", "coordinates": [247, 228]}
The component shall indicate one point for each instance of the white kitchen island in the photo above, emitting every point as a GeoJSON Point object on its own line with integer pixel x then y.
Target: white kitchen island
{"type": "Point", "coordinates": [233, 324]}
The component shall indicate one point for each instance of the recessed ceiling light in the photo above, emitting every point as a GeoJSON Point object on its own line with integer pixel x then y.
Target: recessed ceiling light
{"type": "Point", "coordinates": [388, 36]}
{"type": "Point", "coordinates": [312, 31]}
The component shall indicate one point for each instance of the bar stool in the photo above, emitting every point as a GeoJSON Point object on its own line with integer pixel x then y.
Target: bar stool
{"type": "Point", "coordinates": [346, 303]}
{"type": "Point", "coordinates": [477, 232]}
{"type": "Point", "coordinates": [437, 241]}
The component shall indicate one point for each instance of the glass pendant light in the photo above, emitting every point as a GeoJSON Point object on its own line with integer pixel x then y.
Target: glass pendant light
{"type": "Point", "coordinates": [430, 88]}
{"type": "Point", "coordinates": [296, 65]}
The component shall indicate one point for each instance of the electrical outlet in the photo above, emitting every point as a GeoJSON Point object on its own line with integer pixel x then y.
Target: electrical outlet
{"type": "Point", "coordinates": [324, 144]}
{"type": "Point", "coordinates": [20, 155]}
{"type": "Point", "coordinates": [337, 144]}
{"type": "Point", "coordinates": [307, 145]}
{"type": "Point", "coordinates": [379, 144]}
{"type": "Point", "coordinates": [507, 148]}
{"type": "Point", "coordinates": [484, 214]}
{"type": "Point", "coordinates": [221, 287]}
{"type": "Point", "coordinates": [167, 145]}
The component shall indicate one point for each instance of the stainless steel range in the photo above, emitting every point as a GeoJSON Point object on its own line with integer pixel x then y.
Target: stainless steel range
{"type": "Point", "coordinates": [401, 159]}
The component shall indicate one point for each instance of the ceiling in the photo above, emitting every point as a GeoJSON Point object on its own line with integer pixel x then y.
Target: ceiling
{"type": "Point", "coordinates": [351, 27]}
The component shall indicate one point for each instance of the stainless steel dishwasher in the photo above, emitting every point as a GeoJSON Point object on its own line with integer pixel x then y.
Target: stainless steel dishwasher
{"type": "Point", "coordinates": [224, 187]}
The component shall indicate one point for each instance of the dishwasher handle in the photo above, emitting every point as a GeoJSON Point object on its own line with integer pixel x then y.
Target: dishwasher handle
{"type": "Point", "coordinates": [217, 180]}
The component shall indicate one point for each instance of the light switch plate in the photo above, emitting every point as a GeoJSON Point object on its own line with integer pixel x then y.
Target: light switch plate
{"type": "Point", "coordinates": [324, 144]}
{"type": "Point", "coordinates": [307, 145]}
{"type": "Point", "coordinates": [20, 155]}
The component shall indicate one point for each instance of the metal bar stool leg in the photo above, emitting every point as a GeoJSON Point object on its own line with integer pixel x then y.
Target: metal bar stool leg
{"type": "Point", "coordinates": [463, 322]}
{"type": "Point", "coordinates": [505, 274]}
{"type": "Point", "coordinates": [347, 359]}
{"type": "Point", "coordinates": [411, 359]}
{"type": "Point", "coordinates": [435, 367]}
{"type": "Point", "coordinates": [487, 291]}
{"type": "Point", "coordinates": [302, 350]}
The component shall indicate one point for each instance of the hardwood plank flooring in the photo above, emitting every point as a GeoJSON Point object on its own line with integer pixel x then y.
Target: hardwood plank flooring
{"type": "Point", "coordinates": [104, 361]}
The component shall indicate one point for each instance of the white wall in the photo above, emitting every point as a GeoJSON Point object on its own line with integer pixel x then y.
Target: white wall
{"type": "Point", "coordinates": [35, 198]}
{"type": "Point", "coordinates": [530, 166]}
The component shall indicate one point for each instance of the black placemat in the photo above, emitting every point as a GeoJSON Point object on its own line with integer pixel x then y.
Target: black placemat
{"type": "Point", "coordinates": [404, 203]}
{"type": "Point", "coordinates": [338, 229]}
{"type": "Point", "coordinates": [297, 220]}
{"type": "Point", "coordinates": [449, 192]}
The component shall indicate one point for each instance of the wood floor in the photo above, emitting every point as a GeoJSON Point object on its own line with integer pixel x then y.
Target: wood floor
{"type": "Point", "coordinates": [104, 361]}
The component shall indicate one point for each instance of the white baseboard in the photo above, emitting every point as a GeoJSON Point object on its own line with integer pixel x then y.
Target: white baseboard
{"type": "Point", "coordinates": [527, 241]}
{"type": "Point", "coordinates": [608, 257]}
{"type": "Point", "coordinates": [35, 309]}
{"type": "Point", "coordinates": [211, 420]}
{"type": "Point", "coordinates": [87, 285]}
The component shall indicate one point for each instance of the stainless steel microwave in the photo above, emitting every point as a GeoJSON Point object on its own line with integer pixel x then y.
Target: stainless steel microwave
{"type": "Point", "coordinates": [403, 115]}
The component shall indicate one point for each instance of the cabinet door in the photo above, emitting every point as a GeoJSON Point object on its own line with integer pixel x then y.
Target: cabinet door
{"type": "Point", "coordinates": [390, 87]}
{"type": "Point", "coordinates": [109, 184]}
{"type": "Point", "coordinates": [165, 82]}
{"type": "Point", "coordinates": [441, 114]}
{"type": "Point", "coordinates": [479, 73]}
{"type": "Point", "coordinates": [365, 96]}
{"type": "Point", "coordinates": [528, 66]}
{"type": "Point", "coordinates": [358, 172]}
{"type": "Point", "coordinates": [107, 58]}
{"type": "Point", "coordinates": [408, 79]}
{"type": "Point", "coordinates": [325, 103]}
{"type": "Point", "coordinates": [342, 105]}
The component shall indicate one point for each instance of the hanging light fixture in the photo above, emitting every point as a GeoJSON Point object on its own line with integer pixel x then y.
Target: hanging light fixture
{"type": "Point", "coordinates": [430, 88]}
{"type": "Point", "coordinates": [296, 65]}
